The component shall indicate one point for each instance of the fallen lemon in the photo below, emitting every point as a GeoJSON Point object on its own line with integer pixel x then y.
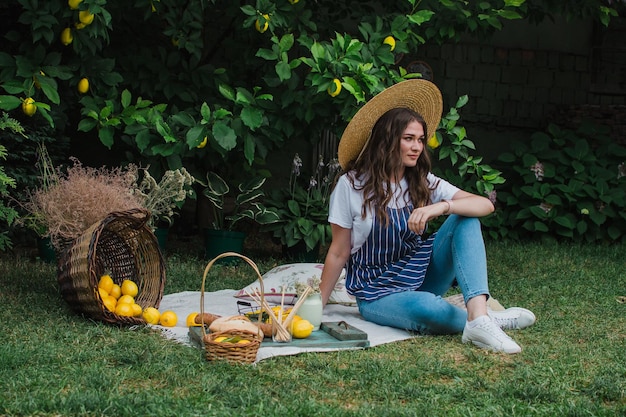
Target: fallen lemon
{"type": "Point", "coordinates": [151, 315]}
{"type": "Point", "coordinates": [302, 329]}
{"type": "Point", "coordinates": [168, 319]}
{"type": "Point", "coordinates": [191, 320]}
{"type": "Point", "coordinates": [129, 288]}
{"type": "Point", "coordinates": [106, 283]}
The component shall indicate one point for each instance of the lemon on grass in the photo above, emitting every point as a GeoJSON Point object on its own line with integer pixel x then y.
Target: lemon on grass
{"type": "Point", "coordinates": [129, 288]}
{"type": "Point", "coordinates": [168, 319]}
{"type": "Point", "coordinates": [106, 283]}
{"type": "Point", "coordinates": [302, 329]}
{"type": "Point", "coordinates": [151, 315]}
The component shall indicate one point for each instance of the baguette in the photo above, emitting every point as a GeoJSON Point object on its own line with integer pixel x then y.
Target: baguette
{"type": "Point", "coordinates": [208, 318]}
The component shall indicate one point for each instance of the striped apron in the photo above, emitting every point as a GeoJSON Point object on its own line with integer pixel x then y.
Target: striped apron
{"type": "Point", "coordinates": [392, 259]}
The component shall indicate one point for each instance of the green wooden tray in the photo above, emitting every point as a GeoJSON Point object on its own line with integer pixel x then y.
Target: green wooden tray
{"type": "Point", "coordinates": [318, 339]}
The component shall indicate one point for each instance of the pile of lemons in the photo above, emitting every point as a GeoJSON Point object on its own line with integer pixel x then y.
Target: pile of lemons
{"type": "Point", "coordinates": [120, 299]}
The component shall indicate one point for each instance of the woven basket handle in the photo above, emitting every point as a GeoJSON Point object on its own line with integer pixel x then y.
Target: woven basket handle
{"type": "Point", "coordinates": [206, 272]}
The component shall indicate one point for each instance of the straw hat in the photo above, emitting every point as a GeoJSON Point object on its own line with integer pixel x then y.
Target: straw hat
{"type": "Point", "coordinates": [419, 95]}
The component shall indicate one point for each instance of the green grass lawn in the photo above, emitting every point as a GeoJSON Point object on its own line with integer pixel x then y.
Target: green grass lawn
{"type": "Point", "coordinates": [54, 362]}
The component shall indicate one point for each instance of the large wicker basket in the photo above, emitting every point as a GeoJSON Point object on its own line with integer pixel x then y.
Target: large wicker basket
{"type": "Point", "coordinates": [123, 246]}
{"type": "Point", "coordinates": [231, 352]}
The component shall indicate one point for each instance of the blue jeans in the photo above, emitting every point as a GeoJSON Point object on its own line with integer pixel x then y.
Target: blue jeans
{"type": "Point", "coordinates": [458, 252]}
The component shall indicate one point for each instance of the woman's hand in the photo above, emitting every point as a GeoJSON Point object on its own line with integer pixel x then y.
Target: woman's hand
{"type": "Point", "coordinates": [462, 203]}
{"type": "Point", "coordinates": [422, 215]}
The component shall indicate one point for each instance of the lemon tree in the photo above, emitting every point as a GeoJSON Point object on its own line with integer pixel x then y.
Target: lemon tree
{"type": "Point", "coordinates": [170, 85]}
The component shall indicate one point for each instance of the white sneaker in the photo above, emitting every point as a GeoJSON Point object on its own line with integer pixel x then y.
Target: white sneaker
{"type": "Point", "coordinates": [513, 318]}
{"type": "Point", "coordinates": [487, 335]}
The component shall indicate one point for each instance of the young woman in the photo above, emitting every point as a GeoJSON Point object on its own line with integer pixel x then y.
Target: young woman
{"type": "Point", "coordinates": [379, 212]}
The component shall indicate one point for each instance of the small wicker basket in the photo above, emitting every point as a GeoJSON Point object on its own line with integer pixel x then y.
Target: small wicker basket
{"type": "Point", "coordinates": [122, 245]}
{"type": "Point", "coordinates": [231, 352]}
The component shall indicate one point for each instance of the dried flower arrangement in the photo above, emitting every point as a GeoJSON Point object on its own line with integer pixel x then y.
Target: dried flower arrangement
{"type": "Point", "coordinates": [68, 203]}
{"type": "Point", "coordinates": [162, 198]}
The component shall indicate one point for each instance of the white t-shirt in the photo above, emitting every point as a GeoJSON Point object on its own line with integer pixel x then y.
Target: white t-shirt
{"type": "Point", "coordinates": [346, 203]}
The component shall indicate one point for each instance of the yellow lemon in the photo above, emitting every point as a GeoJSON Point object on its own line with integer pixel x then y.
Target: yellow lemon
{"type": "Point", "coordinates": [263, 28]}
{"type": "Point", "coordinates": [106, 283]}
{"type": "Point", "coordinates": [293, 1]}
{"type": "Point", "coordinates": [85, 17]}
{"type": "Point", "coordinates": [191, 320]}
{"type": "Point", "coordinates": [83, 85]}
{"type": "Point", "coordinates": [126, 299]}
{"type": "Point", "coordinates": [66, 36]}
{"type": "Point", "coordinates": [433, 142]}
{"type": "Point", "coordinates": [124, 309]}
{"type": "Point", "coordinates": [335, 88]}
{"type": "Point", "coordinates": [28, 107]}
{"type": "Point", "coordinates": [137, 310]}
{"type": "Point", "coordinates": [74, 4]}
{"type": "Point", "coordinates": [168, 319]}
{"type": "Point", "coordinates": [110, 303]}
{"type": "Point", "coordinates": [243, 342]}
{"type": "Point", "coordinates": [220, 339]}
{"type": "Point", "coordinates": [79, 25]}
{"type": "Point", "coordinates": [391, 41]}
{"type": "Point", "coordinates": [151, 315]}
{"type": "Point", "coordinates": [103, 293]}
{"type": "Point", "coordinates": [302, 329]}
{"type": "Point", "coordinates": [203, 143]}
{"type": "Point", "coordinates": [116, 291]}
{"type": "Point", "coordinates": [129, 288]}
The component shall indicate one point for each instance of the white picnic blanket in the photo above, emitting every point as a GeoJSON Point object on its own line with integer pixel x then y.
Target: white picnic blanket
{"type": "Point", "coordinates": [224, 303]}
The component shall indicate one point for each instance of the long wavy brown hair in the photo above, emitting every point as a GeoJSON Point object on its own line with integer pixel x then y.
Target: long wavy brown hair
{"type": "Point", "coordinates": [380, 161]}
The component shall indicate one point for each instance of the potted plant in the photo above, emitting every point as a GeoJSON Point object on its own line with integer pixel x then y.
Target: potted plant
{"type": "Point", "coordinates": [223, 236]}
{"type": "Point", "coordinates": [163, 198]}
{"type": "Point", "coordinates": [303, 210]}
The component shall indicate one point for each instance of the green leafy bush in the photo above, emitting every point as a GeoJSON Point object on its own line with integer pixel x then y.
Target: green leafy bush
{"type": "Point", "coordinates": [566, 184]}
